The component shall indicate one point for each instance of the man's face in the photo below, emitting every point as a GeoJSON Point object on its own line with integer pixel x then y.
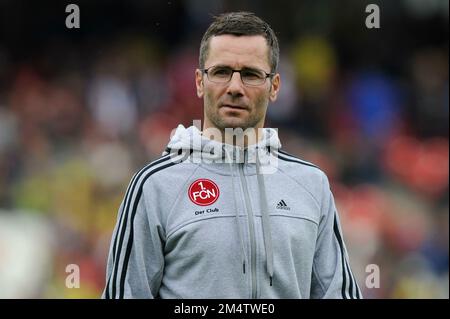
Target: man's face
{"type": "Point", "coordinates": [234, 104]}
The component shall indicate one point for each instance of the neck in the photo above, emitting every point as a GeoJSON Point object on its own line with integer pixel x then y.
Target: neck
{"type": "Point", "coordinates": [234, 136]}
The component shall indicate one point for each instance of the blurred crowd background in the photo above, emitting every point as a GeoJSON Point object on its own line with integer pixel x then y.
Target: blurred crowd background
{"type": "Point", "coordinates": [82, 109]}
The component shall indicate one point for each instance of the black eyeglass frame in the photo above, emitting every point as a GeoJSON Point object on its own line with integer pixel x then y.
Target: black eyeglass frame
{"type": "Point", "coordinates": [267, 75]}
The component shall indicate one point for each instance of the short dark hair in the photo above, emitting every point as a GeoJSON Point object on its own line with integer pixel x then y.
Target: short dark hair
{"type": "Point", "coordinates": [241, 23]}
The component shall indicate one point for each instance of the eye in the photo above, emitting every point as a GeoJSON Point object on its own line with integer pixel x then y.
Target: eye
{"type": "Point", "coordinates": [252, 74]}
{"type": "Point", "coordinates": [220, 72]}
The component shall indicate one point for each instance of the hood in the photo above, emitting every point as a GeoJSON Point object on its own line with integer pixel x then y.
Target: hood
{"type": "Point", "coordinates": [203, 148]}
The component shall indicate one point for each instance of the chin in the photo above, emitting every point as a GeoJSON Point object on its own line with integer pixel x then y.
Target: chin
{"type": "Point", "coordinates": [234, 123]}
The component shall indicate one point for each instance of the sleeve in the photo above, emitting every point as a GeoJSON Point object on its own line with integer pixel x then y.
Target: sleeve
{"type": "Point", "coordinates": [332, 276]}
{"type": "Point", "coordinates": [136, 260]}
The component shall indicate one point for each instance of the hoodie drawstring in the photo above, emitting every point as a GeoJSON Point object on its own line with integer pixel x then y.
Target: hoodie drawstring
{"type": "Point", "coordinates": [265, 219]}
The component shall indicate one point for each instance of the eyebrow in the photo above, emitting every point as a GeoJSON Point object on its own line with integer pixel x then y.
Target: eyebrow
{"type": "Point", "coordinates": [243, 68]}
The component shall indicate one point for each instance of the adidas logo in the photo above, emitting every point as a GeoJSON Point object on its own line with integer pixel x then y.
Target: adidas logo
{"type": "Point", "coordinates": [282, 205]}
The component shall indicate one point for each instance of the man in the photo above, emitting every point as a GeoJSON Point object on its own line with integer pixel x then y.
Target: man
{"type": "Point", "coordinates": [224, 214]}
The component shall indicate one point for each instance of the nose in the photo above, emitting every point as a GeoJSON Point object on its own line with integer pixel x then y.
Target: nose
{"type": "Point", "coordinates": [235, 86]}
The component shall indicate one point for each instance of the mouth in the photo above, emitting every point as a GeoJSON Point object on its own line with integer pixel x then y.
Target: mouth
{"type": "Point", "coordinates": [236, 107]}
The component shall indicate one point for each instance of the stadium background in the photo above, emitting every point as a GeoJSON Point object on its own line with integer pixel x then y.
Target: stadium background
{"type": "Point", "coordinates": [82, 109]}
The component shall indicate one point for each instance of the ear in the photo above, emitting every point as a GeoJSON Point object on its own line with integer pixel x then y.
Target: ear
{"type": "Point", "coordinates": [274, 87]}
{"type": "Point", "coordinates": [199, 82]}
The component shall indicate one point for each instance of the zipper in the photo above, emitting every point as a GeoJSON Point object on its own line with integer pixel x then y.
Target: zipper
{"type": "Point", "coordinates": [251, 229]}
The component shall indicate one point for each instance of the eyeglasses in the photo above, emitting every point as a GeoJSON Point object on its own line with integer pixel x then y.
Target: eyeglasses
{"type": "Point", "coordinates": [249, 76]}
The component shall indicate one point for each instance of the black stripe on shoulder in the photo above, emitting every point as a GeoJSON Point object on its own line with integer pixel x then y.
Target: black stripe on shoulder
{"type": "Point", "coordinates": [131, 235]}
{"type": "Point", "coordinates": [124, 216]}
{"type": "Point", "coordinates": [291, 158]}
{"type": "Point", "coordinates": [346, 267]}
{"type": "Point", "coordinates": [121, 234]}
{"type": "Point", "coordinates": [341, 247]}
{"type": "Point", "coordinates": [136, 176]}
{"type": "Point", "coordinates": [350, 279]}
{"type": "Point", "coordinates": [357, 294]}
{"type": "Point", "coordinates": [179, 151]}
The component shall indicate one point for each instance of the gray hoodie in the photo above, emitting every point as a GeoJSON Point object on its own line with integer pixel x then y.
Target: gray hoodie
{"type": "Point", "coordinates": [209, 220]}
